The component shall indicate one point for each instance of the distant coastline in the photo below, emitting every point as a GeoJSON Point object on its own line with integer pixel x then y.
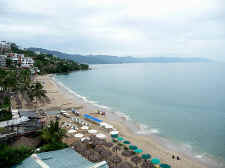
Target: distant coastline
{"type": "Point", "coordinates": [108, 59]}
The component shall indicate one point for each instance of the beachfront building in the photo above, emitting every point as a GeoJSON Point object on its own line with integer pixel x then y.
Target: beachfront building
{"type": "Point", "coordinates": [65, 158]}
{"type": "Point", "coordinates": [2, 60]}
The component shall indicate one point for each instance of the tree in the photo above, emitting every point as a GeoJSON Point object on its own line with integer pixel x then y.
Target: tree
{"type": "Point", "coordinates": [53, 133]}
{"type": "Point", "coordinates": [37, 92]}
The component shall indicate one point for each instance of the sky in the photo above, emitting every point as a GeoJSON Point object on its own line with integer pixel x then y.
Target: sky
{"type": "Point", "coordinates": [140, 28]}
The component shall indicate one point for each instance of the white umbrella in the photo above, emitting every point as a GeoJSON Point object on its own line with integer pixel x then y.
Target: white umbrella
{"type": "Point", "coordinates": [84, 128]}
{"type": "Point", "coordinates": [101, 136]}
{"type": "Point", "coordinates": [108, 126]}
{"type": "Point", "coordinates": [78, 135]}
{"type": "Point", "coordinates": [92, 131]}
{"type": "Point", "coordinates": [71, 131]}
{"type": "Point", "coordinates": [114, 132]}
{"type": "Point", "coordinates": [84, 138]}
{"type": "Point", "coordinates": [103, 124]}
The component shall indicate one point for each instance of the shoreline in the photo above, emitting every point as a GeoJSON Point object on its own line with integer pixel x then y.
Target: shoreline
{"type": "Point", "coordinates": [153, 144]}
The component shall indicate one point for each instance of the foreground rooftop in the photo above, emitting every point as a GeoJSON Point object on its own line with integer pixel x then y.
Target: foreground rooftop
{"type": "Point", "coordinates": [66, 158]}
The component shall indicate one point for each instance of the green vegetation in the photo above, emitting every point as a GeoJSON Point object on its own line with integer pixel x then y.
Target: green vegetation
{"type": "Point", "coordinates": [51, 140]}
{"type": "Point", "coordinates": [10, 156]}
{"type": "Point", "coordinates": [19, 81]}
{"type": "Point", "coordinates": [48, 63]}
{"type": "Point", "coordinates": [52, 137]}
{"type": "Point", "coordinates": [36, 92]}
{"type": "Point", "coordinates": [5, 115]}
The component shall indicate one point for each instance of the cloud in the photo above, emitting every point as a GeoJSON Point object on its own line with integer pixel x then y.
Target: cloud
{"type": "Point", "coordinates": [138, 28]}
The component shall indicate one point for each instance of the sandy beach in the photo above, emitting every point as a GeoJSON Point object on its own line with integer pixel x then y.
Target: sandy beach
{"type": "Point", "coordinates": [60, 98]}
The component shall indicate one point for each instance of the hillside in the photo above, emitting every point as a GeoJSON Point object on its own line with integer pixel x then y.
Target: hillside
{"type": "Point", "coordinates": [107, 59]}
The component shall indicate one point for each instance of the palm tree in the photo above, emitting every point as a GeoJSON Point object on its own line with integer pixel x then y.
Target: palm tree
{"type": "Point", "coordinates": [37, 92]}
{"type": "Point", "coordinates": [53, 133]}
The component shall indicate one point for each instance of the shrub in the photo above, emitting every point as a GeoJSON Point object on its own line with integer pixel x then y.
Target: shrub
{"type": "Point", "coordinates": [10, 156]}
{"type": "Point", "coordinates": [53, 146]}
{"type": "Point", "coordinates": [5, 115]}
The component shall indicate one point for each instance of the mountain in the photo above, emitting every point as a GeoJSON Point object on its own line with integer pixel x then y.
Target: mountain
{"type": "Point", "coordinates": [107, 59]}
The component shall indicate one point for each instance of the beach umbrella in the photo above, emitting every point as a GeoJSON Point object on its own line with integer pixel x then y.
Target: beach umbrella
{"type": "Point", "coordinates": [71, 131]}
{"type": "Point", "coordinates": [120, 138]}
{"type": "Point", "coordinates": [138, 150]}
{"type": "Point", "coordinates": [84, 128]}
{"type": "Point", "coordinates": [92, 131]}
{"type": "Point", "coordinates": [114, 136]}
{"type": "Point", "coordinates": [165, 166]}
{"type": "Point", "coordinates": [78, 135]}
{"type": "Point", "coordinates": [114, 132]}
{"type": "Point", "coordinates": [155, 161]}
{"type": "Point", "coordinates": [101, 136]}
{"type": "Point", "coordinates": [103, 124]}
{"type": "Point", "coordinates": [84, 138]}
{"type": "Point", "coordinates": [126, 142]}
{"type": "Point", "coordinates": [108, 126]}
{"type": "Point", "coordinates": [146, 156]}
{"type": "Point", "coordinates": [132, 147]}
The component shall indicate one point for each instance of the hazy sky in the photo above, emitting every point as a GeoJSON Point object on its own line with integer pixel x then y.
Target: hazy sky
{"type": "Point", "coordinates": [190, 28]}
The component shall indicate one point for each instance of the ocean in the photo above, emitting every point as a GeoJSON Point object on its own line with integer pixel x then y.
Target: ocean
{"type": "Point", "coordinates": [182, 103]}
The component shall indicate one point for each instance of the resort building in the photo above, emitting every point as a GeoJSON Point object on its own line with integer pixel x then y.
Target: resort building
{"type": "Point", "coordinates": [27, 62]}
{"type": "Point", "coordinates": [19, 59]}
{"type": "Point", "coordinates": [65, 158]}
{"type": "Point", "coordinates": [2, 60]}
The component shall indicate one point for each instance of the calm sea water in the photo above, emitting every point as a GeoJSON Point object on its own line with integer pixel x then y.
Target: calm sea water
{"type": "Point", "coordinates": [184, 103]}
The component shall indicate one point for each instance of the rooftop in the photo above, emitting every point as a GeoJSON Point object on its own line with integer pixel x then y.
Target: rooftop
{"type": "Point", "coordinates": [65, 158]}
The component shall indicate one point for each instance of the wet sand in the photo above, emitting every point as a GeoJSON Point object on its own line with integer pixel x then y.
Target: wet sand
{"type": "Point", "coordinates": [60, 98]}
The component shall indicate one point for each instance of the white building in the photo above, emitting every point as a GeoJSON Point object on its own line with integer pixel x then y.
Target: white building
{"type": "Point", "coordinates": [27, 62]}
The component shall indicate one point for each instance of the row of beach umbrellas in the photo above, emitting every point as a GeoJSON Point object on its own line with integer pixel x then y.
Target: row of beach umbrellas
{"type": "Point", "coordinates": [134, 148]}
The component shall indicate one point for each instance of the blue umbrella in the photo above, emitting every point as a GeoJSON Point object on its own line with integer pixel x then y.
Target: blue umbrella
{"type": "Point", "coordinates": [155, 161]}
{"type": "Point", "coordinates": [126, 142]}
{"type": "Point", "coordinates": [114, 136]}
{"type": "Point", "coordinates": [165, 166]}
{"type": "Point", "coordinates": [132, 147]}
{"type": "Point", "coordinates": [120, 138]}
{"type": "Point", "coordinates": [146, 156]}
{"type": "Point", "coordinates": [138, 150]}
